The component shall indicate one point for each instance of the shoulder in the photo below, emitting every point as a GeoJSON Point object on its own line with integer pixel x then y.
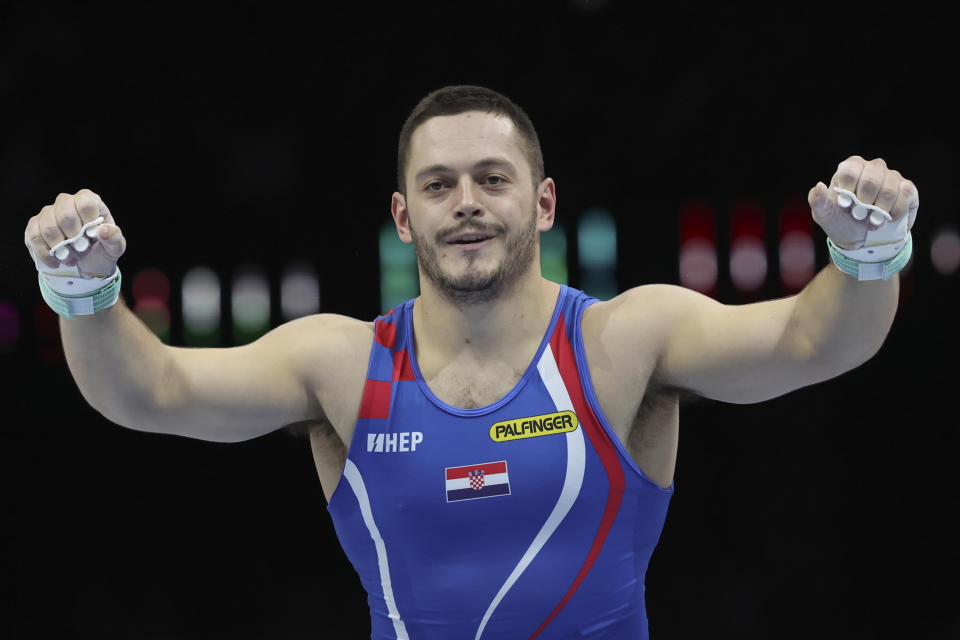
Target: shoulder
{"type": "Point", "coordinates": [646, 313]}
{"type": "Point", "coordinates": [631, 331]}
{"type": "Point", "coordinates": [322, 333]}
{"type": "Point", "coordinates": [330, 353]}
{"type": "Point", "coordinates": [331, 336]}
{"type": "Point", "coordinates": [319, 344]}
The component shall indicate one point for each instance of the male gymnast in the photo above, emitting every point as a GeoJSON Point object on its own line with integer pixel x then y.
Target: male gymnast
{"type": "Point", "coordinates": [498, 453]}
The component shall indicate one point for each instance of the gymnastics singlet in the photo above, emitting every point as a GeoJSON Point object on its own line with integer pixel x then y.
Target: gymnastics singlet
{"type": "Point", "coordinates": [526, 518]}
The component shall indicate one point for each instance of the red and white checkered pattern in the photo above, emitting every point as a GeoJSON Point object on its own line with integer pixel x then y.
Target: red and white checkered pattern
{"type": "Point", "coordinates": [476, 480]}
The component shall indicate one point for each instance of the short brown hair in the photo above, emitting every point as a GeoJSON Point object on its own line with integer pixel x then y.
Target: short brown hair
{"type": "Point", "coordinates": [453, 100]}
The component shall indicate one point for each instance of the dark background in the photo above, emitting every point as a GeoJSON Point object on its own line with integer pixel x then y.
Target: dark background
{"type": "Point", "coordinates": [267, 133]}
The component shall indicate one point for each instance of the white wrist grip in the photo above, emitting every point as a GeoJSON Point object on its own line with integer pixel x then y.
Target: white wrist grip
{"type": "Point", "coordinates": [79, 242]}
{"type": "Point", "coordinates": [881, 244]}
{"type": "Point", "coordinates": [71, 280]}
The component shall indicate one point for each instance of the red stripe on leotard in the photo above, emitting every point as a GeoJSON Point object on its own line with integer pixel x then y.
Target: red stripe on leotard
{"type": "Point", "coordinates": [564, 355]}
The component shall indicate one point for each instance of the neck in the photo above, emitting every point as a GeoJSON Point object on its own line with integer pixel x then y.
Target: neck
{"type": "Point", "coordinates": [488, 328]}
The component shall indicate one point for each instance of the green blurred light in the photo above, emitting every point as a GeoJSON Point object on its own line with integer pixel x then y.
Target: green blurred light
{"type": "Point", "coordinates": [553, 254]}
{"type": "Point", "coordinates": [597, 240]}
{"type": "Point", "coordinates": [398, 268]}
{"type": "Point", "coordinates": [200, 295]}
{"type": "Point", "coordinates": [597, 251]}
{"type": "Point", "coordinates": [299, 291]}
{"type": "Point", "coordinates": [250, 304]}
{"type": "Point", "coordinates": [155, 314]}
{"type": "Point", "coordinates": [151, 296]}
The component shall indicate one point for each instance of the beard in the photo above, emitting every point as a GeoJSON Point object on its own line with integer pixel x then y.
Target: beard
{"type": "Point", "coordinates": [475, 284]}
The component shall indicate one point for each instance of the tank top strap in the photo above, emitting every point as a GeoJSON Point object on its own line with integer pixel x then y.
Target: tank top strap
{"type": "Point", "coordinates": [575, 302]}
{"type": "Point", "coordinates": [389, 362]}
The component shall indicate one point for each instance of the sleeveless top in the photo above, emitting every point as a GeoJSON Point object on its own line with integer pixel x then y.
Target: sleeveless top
{"type": "Point", "coordinates": [525, 518]}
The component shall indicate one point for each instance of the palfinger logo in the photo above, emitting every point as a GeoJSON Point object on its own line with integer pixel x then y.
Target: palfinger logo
{"type": "Point", "coordinates": [545, 425]}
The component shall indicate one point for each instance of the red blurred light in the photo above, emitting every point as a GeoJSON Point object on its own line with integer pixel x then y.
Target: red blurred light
{"type": "Point", "coordinates": [698, 220]}
{"type": "Point", "coordinates": [151, 284]}
{"type": "Point", "coordinates": [746, 219]}
{"type": "Point", "coordinates": [795, 216]}
{"type": "Point", "coordinates": [748, 253]}
{"type": "Point", "coordinates": [797, 255]}
{"type": "Point", "coordinates": [9, 326]}
{"type": "Point", "coordinates": [154, 314]}
{"type": "Point", "coordinates": [697, 256]}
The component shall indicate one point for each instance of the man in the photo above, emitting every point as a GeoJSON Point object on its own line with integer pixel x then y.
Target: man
{"type": "Point", "coordinates": [511, 440]}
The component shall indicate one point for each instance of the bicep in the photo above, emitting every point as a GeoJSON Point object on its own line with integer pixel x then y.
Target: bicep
{"type": "Point", "coordinates": [243, 392]}
{"type": "Point", "coordinates": [734, 353]}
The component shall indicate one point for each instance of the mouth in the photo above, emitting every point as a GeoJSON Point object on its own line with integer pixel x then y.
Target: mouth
{"type": "Point", "coordinates": [470, 239]}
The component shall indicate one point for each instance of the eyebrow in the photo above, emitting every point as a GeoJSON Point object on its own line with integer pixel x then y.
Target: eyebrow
{"type": "Point", "coordinates": [480, 164]}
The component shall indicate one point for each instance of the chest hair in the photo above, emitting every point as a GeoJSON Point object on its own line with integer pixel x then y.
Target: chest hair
{"type": "Point", "coordinates": [473, 389]}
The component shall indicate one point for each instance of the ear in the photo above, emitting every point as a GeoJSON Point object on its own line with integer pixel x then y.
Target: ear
{"type": "Point", "coordinates": [546, 204]}
{"type": "Point", "coordinates": [401, 217]}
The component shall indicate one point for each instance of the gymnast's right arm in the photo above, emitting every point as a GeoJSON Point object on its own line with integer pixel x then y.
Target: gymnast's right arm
{"type": "Point", "coordinates": [127, 374]}
{"type": "Point", "coordinates": [226, 395]}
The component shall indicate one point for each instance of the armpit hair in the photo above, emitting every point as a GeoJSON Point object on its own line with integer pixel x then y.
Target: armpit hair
{"type": "Point", "coordinates": [302, 430]}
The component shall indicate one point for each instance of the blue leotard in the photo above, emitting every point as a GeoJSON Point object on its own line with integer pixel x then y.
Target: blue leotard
{"type": "Point", "coordinates": [525, 518]}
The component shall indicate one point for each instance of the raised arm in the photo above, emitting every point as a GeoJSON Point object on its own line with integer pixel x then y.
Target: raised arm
{"type": "Point", "coordinates": [223, 395]}
{"type": "Point", "coordinates": [127, 374]}
{"type": "Point", "coordinates": [750, 353]}
{"type": "Point", "coordinates": [754, 352]}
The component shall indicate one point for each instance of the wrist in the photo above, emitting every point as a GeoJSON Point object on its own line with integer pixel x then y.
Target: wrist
{"type": "Point", "coordinates": [69, 283]}
{"type": "Point", "coordinates": [89, 295]}
{"type": "Point", "coordinates": [873, 262]}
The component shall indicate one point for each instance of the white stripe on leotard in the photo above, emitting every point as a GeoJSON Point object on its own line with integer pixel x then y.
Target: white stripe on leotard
{"type": "Point", "coordinates": [353, 476]}
{"type": "Point", "coordinates": [550, 374]}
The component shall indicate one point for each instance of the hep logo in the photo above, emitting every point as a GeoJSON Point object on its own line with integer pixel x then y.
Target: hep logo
{"type": "Point", "coordinates": [402, 441]}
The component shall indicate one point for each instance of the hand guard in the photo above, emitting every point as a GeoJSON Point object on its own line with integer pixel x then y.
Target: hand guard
{"type": "Point", "coordinates": [67, 289]}
{"type": "Point", "coordinates": [880, 244]}
{"type": "Point", "coordinates": [885, 251]}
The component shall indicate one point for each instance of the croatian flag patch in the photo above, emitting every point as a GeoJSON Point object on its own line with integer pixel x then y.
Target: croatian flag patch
{"type": "Point", "coordinates": [484, 480]}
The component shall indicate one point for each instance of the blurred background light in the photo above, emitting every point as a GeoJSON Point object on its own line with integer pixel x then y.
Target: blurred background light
{"type": "Point", "coordinates": [697, 255]}
{"type": "Point", "coordinates": [151, 301]}
{"type": "Point", "coordinates": [945, 251]}
{"type": "Point", "coordinates": [9, 326]}
{"type": "Point", "coordinates": [201, 307]}
{"type": "Point", "coordinates": [299, 291]}
{"type": "Point", "coordinates": [398, 268]}
{"type": "Point", "coordinates": [796, 251]}
{"type": "Point", "coordinates": [597, 252]}
{"type": "Point", "coordinates": [748, 250]}
{"type": "Point", "coordinates": [249, 304]}
{"type": "Point", "coordinates": [553, 254]}
{"type": "Point", "coordinates": [151, 283]}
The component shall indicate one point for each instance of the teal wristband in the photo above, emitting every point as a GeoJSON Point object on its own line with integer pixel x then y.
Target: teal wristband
{"type": "Point", "coordinates": [81, 305]}
{"type": "Point", "coordinates": [872, 270]}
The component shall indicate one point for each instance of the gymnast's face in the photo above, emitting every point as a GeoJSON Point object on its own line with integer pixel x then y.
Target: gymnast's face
{"type": "Point", "coordinates": [471, 209]}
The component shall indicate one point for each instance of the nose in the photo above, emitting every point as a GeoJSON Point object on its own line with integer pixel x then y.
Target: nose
{"type": "Point", "coordinates": [468, 205]}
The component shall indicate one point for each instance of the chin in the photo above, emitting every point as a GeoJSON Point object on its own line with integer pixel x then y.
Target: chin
{"type": "Point", "coordinates": [477, 277]}
{"type": "Point", "coordinates": [473, 280]}
{"type": "Point", "coordinates": [471, 286]}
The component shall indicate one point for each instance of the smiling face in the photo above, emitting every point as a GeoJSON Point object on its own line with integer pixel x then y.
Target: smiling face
{"type": "Point", "coordinates": [472, 210]}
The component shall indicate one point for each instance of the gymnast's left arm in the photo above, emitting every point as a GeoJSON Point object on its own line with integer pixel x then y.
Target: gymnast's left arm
{"type": "Point", "coordinates": [749, 353]}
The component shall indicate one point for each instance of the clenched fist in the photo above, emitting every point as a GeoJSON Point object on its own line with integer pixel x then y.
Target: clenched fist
{"type": "Point", "coordinates": [873, 183]}
{"type": "Point", "coordinates": [63, 219]}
